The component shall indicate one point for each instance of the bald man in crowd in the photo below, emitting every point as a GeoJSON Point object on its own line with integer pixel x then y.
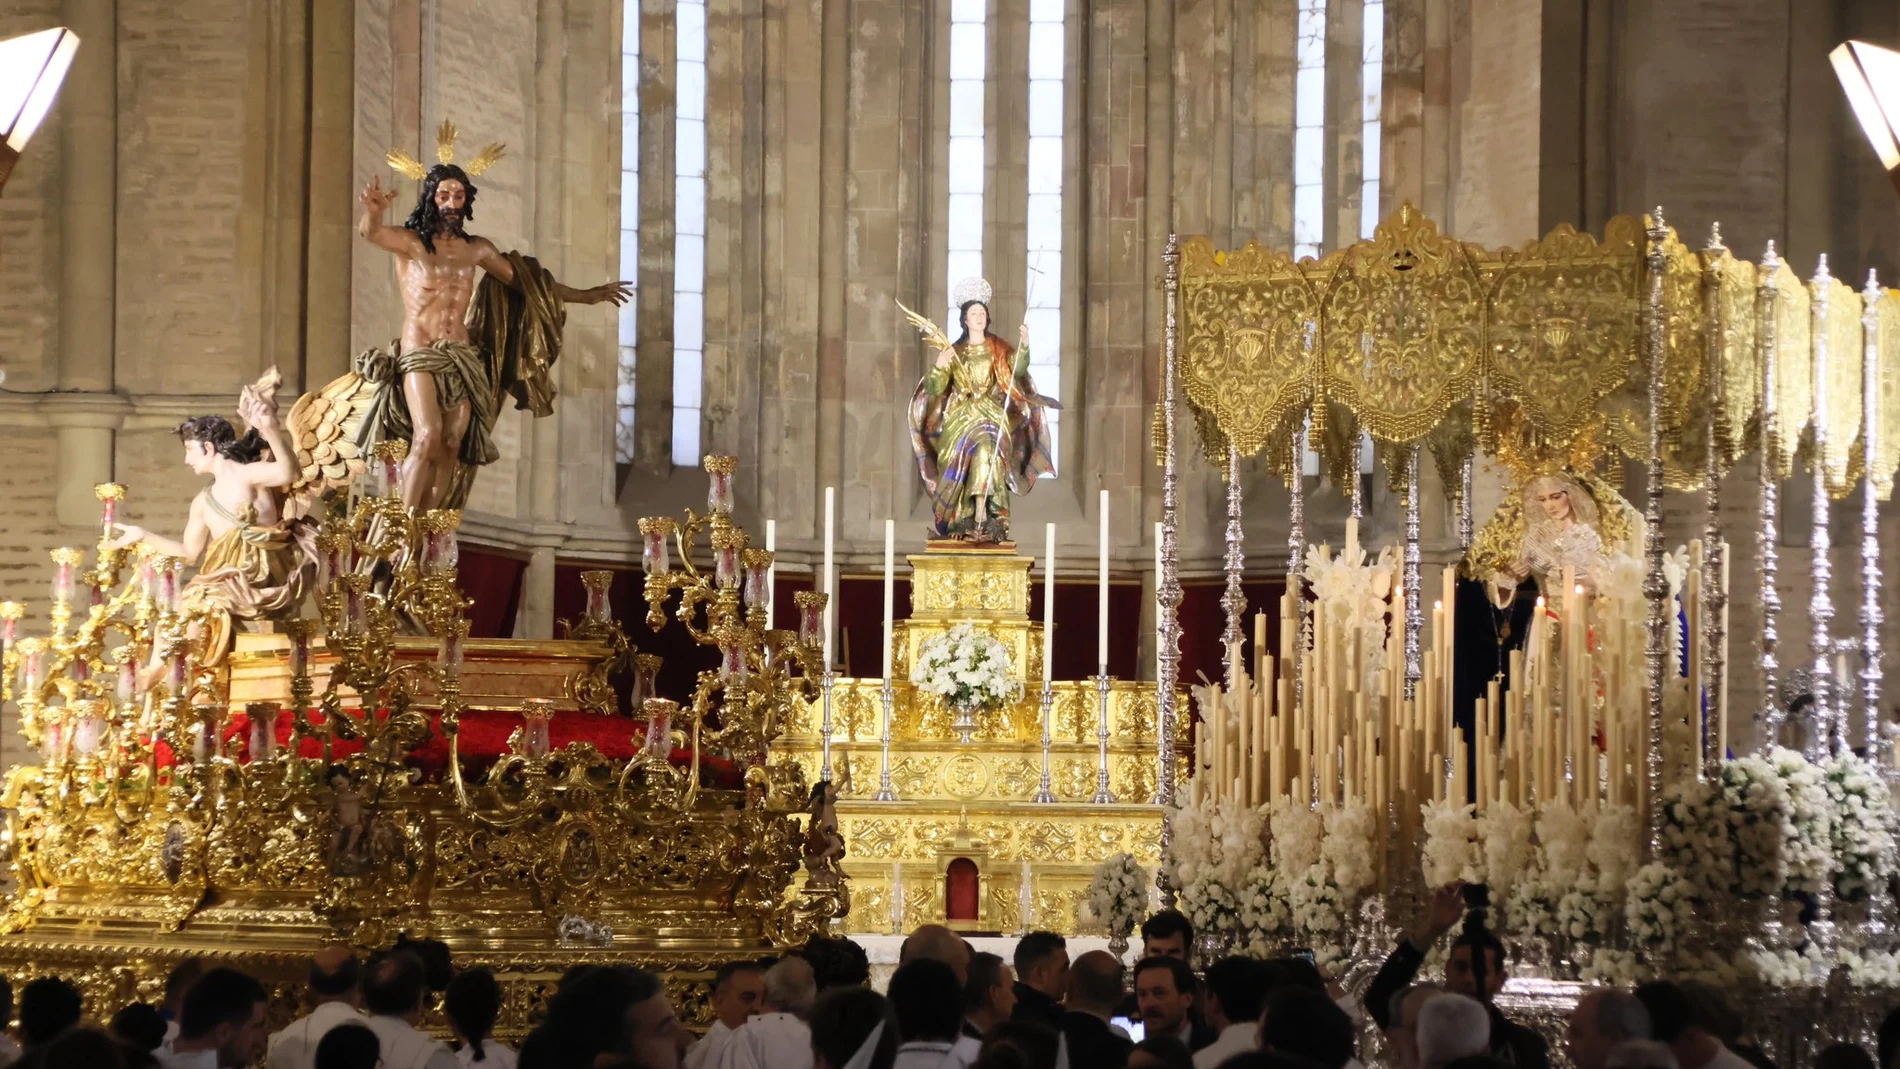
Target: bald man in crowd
{"type": "Point", "coordinates": [937, 943]}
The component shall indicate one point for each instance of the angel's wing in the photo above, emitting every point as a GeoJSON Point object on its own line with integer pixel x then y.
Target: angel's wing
{"type": "Point", "coordinates": [324, 430]}
{"type": "Point", "coordinates": [925, 328]}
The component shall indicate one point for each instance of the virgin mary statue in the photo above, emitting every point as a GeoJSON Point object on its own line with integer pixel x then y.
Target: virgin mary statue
{"type": "Point", "coordinates": [977, 424]}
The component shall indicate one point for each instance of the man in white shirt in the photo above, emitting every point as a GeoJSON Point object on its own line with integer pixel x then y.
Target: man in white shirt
{"type": "Point", "coordinates": [1236, 995]}
{"type": "Point", "coordinates": [927, 1000]}
{"type": "Point", "coordinates": [393, 989]}
{"type": "Point", "coordinates": [778, 1037]}
{"type": "Point", "coordinates": [334, 972]}
{"type": "Point", "coordinates": [738, 989]}
{"type": "Point", "coordinates": [220, 1024]}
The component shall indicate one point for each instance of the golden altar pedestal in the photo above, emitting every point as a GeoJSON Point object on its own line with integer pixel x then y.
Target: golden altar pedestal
{"type": "Point", "coordinates": [975, 799]}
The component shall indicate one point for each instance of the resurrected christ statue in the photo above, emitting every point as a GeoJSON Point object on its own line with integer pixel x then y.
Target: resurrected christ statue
{"type": "Point", "coordinates": [464, 345]}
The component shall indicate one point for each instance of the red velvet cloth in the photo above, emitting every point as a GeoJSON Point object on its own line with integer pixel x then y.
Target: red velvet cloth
{"type": "Point", "coordinates": [1203, 620]}
{"type": "Point", "coordinates": [492, 579]}
{"type": "Point", "coordinates": [484, 739]}
{"type": "Point", "coordinates": [960, 884]}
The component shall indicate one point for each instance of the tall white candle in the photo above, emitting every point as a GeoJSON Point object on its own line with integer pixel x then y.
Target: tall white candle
{"type": "Point", "coordinates": [890, 568]}
{"type": "Point", "coordinates": [1048, 601]}
{"type": "Point", "coordinates": [831, 596]}
{"type": "Point", "coordinates": [771, 574]}
{"type": "Point", "coordinates": [1101, 608]}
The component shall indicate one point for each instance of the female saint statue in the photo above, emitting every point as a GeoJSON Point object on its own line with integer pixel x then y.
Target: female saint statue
{"type": "Point", "coordinates": [976, 423]}
{"type": "Point", "coordinates": [1560, 532]}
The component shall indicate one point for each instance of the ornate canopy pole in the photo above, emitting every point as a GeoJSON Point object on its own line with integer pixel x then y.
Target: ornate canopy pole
{"type": "Point", "coordinates": [1414, 616]}
{"type": "Point", "coordinates": [1826, 733]}
{"type": "Point", "coordinates": [1465, 480]}
{"type": "Point", "coordinates": [1296, 559]}
{"type": "Point", "coordinates": [1168, 583]}
{"type": "Point", "coordinates": [1358, 488]}
{"type": "Point", "coordinates": [1655, 584]}
{"type": "Point", "coordinates": [1769, 718]}
{"type": "Point", "coordinates": [1714, 681]}
{"type": "Point", "coordinates": [1870, 615]}
{"type": "Point", "coordinates": [1233, 599]}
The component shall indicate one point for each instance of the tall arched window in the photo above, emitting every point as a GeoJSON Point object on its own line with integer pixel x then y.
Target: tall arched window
{"type": "Point", "coordinates": [1309, 130]}
{"type": "Point", "coordinates": [689, 229]}
{"type": "Point", "coordinates": [1371, 75]}
{"type": "Point", "coordinates": [1043, 223]}
{"type": "Point", "coordinates": [969, 27]}
{"type": "Point", "coordinates": [629, 226]}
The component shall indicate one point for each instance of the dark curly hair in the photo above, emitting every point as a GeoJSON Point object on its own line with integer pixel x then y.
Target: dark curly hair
{"type": "Point", "coordinates": [217, 432]}
{"type": "Point", "coordinates": [427, 220]}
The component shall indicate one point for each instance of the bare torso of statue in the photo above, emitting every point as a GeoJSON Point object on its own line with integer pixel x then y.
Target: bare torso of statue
{"type": "Point", "coordinates": [436, 265]}
{"type": "Point", "coordinates": [437, 287]}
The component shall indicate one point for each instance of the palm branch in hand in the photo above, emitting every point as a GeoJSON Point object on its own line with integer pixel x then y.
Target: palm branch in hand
{"type": "Point", "coordinates": [925, 328]}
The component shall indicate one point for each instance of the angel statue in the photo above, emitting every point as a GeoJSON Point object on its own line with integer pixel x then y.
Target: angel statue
{"type": "Point", "coordinates": [465, 345]}
{"type": "Point", "coordinates": [247, 531]}
{"type": "Point", "coordinates": [976, 423]}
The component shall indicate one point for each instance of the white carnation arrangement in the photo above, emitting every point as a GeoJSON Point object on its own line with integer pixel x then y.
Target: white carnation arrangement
{"type": "Point", "coordinates": [1210, 904]}
{"type": "Point", "coordinates": [1659, 909]}
{"type": "Point", "coordinates": [1863, 842]}
{"type": "Point", "coordinates": [1871, 968]}
{"type": "Point", "coordinates": [1453, 853]}
{"type": "Point", "coordinates": [1118, 894]}
{"type": "Point", "coordinates": [1346, 851]}
{"type": "Point", "coordinates": [1506, 833]}
{"type": "Point", "coordinates": [966, 669]}
{"type": "Point", "coordinates": [1807, 852]}
{"type": "Point", "coordinates": [1754, 803]}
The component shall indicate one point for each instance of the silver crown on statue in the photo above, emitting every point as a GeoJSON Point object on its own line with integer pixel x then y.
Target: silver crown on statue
{"type": "Point", "coordinates": [1797, 685]}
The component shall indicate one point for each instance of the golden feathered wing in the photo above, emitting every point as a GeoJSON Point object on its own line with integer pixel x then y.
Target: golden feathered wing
{"type": "Point", "coordinates": [323, 428]}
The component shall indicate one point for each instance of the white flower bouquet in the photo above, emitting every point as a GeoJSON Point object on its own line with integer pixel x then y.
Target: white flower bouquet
{"type": "Point", "coordinates": [1863, 830]}
{"type": "Point", "coordinates": [1755, 805]}
{"type": "Point", "coordinates": [967, 669]}
{"type": "Point", "coordinates": [1453, 852]}
{"type": "Point", "coordinates": [1211, 906]}
{"type": "Point", "coordinates": [1118, 894]}
{"type": "Point", "coordinates": [1660, 907]}
{"type": "Point", "coordinates": [1808, 851]}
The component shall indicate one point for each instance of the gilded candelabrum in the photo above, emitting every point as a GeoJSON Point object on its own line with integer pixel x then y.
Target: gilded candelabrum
{"type": "Point", "coordinates": [161, 819]}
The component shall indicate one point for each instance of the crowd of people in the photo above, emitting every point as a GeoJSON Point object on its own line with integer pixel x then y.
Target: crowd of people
{"type": "Point", "coordinates": [947, 1006]}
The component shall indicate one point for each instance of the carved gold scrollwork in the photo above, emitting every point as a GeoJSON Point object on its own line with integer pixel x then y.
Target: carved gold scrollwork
{"type": "Point", "coordinates": [1840, 415]}
{"type": "Point", "coordinates": [1252, 326]}
{"type": "Point", "coordinates": [1738, 378]}
{"type": "Point", "coordinates": [1404, 326]}
{"type": "Point", "coordinates": [1563, 324]}
{"type": "Point", "coordinates": [1794, 368]}
{"type": "Point", "coordinates": [1887, 453]}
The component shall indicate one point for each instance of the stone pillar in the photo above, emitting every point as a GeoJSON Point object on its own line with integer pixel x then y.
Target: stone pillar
{"type": "Point", "coordinates": [653, 370]}
{"type": "Point", "coordinates": [332, 192]}
{"type": "Point", "coordinates": [88, 110]}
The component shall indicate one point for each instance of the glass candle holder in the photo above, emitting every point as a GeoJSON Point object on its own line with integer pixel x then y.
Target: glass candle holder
{"type": "Point", "coordinates": [654, 557]}
{"type": "Point", "coordinates": [32, 665]}
{"type": "Point", "coordinates": [65, 561]}
{"type": "Point", "coordinates": [449, 653]}
{"type": "Point", "coordinates": [732, 666]}
{"type": "Point", "coordinates": [536, 736]}
{"type": "Point", "coordinates": [389, 458]}
{"type": "Point", "coordinates": [89, 730]}
{"type": "Point", "coordinates": [54, 738]}
{"type": "Point", "coordinates": [167, 573]}
{"type": "Point", "coordinates": [719, 469]}
{"type": "Point", "coordinates": [81, 669]}
{"type": "Point", "coordinates": [175, 673]}
{"type": "Point", "coordinates": [10, 614]}
{"type": "Point", "coordinates": [811, 616]}
{"type": "Point", "coordinates": [126, 687]}
{"type": "Point", "coordinates": [726, 545]}
{"type": "Point", "coordinates": [109, 495]}
{"type": "Point", "coordinates": [659, 713]}
{"type": "Point", "coordinates": [646, 670]}
{"type": "Point", "coordinates": [440, 551]}
{"type": "Point", "coordinates": [758, 577]}
{"type": "Point", "coordinates": [205, 743]}
{"type": "Point", "coordinates": [597, 610]}
{"type": "Point", "coordinates": [299, 631]}
{"type": "Point", "coordinates": [262, 744]}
